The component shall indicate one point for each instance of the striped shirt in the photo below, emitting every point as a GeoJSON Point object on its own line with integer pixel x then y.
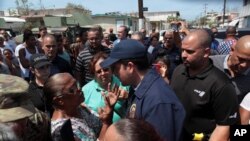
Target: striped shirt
{"type": "Point", "coordinates": [83, 60]}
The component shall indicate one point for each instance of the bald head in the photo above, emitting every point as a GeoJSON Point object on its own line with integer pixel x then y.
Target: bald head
{"type": "Point", "coordinates": [48, 37]}
{"type": "Point", "coordinates": [243, 43]}
{"type": "Point", "coordinates": [61, 78]}
{"type": "Point", "coordinates": [239, 60]}
{"type": "Point", "coordinates": [49, 46]}
{"type": "Point", "coordinates": [201, 36]}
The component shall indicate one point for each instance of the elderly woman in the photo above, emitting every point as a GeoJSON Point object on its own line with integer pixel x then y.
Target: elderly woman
{"type": "Point", "coordinates": [66, 98]}
{"type": "Point", "coordinates": [103, 79]}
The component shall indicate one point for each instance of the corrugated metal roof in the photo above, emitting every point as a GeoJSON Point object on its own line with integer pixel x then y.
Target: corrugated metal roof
{"type": "Point", "coordinates": [83, 19]}
{"type": "Point", "coordinates": [112, 16]}
{"type": "Point", "coordinates": [12, 19]}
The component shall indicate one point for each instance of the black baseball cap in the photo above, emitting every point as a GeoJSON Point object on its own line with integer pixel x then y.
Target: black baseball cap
{"type": "Point", "coordinates": [39, 60]}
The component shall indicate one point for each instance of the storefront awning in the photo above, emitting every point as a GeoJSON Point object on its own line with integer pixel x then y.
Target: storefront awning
{"type": "Point", "coordinates": [234, 22]}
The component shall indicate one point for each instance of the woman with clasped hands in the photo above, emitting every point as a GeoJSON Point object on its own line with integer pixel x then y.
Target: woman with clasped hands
{"type": "Point", "coordinates": [61, 90]}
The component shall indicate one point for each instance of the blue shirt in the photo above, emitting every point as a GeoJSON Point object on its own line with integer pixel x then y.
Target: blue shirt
{"type": "Point", "coordinates": [94, 100]}
{"type": "Point", "coordinates": [155, 102]}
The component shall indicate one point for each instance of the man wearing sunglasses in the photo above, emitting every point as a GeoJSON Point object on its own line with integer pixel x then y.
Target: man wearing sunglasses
{"type": "Point", "coordinates": [40, 68]}
{"type": "Point", "coordinates": [215, 43]}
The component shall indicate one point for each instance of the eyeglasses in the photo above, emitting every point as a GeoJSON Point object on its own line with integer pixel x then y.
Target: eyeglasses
{"type": "Point", "coordinates": [102, 70]}
{"type": "Point", "coordinates": [50, 46]}
{"type": "Point", "coordinates": [170, 38]}
{"type": "Point", "coordinates": [70, 91]}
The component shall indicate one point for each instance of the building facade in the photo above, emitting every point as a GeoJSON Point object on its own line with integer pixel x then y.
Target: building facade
{"type": "Point", "coordinates": [114, 20]}
{"type": "Point", "coordinates": [244, 20]}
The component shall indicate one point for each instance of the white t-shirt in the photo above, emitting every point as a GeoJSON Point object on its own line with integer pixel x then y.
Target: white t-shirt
{"type": "Point", "coordinates": [18, 48]}
{"type": "Point", "coordinates": [246, 102]}
{"type": "Point", "coordinates": [150, 49]}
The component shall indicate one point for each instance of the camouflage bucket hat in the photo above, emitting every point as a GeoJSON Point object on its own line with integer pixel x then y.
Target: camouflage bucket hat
{"type": "Point", "coordinates": [14, 104]}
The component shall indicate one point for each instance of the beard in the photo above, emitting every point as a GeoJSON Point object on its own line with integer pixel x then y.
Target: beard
{"type": "Point", "coordinates": [186, 63]}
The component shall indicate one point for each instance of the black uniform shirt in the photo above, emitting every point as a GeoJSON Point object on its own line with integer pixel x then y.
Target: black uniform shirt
{"type": "Point", "coordinates": [209, 98]}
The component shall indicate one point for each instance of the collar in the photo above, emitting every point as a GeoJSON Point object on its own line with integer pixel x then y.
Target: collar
{"type": "Point", "coordinates": [137, 86]}
{"type": "Point", "coordinates": [35, 85]}
{"type": "Point", "coordinates": [172, 49]}
{"type": "Point", "coordinates": [146, 83]}
{"type": "Point", "coordinates": [225, 66]}
{"type": "Point", "coordinates": [204, 73]}
{"type": "Point", "coordinates": [93, 51]}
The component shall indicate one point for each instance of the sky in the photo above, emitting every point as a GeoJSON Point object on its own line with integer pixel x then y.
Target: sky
{"type": "Point", "coordinates": [189, 9]}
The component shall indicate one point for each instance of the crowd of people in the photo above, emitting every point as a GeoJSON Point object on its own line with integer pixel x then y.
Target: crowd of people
{"type": "Point", "coordinates": [129, 87]}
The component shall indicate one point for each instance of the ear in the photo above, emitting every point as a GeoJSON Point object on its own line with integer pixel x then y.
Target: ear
{"type": "Point", "coordinates": [130, 66]}
{"type": "Point", "coordinates": [233, 47]}
{"type": "Point", "coordinates": [207, 52]}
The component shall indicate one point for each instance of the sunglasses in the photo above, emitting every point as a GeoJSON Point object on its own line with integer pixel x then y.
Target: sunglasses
{"type": "Point", "coordinates": [71, 91]}
{"type": "Point", "coordinates": [102, 70]}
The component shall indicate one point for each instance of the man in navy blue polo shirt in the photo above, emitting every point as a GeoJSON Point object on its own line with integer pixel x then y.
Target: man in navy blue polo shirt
{"type": "Point", "coordinates": [152, 99]}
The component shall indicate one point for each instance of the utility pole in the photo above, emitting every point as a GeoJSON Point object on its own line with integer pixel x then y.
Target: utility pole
{"type": "Point", "coordinates": [205, 9]}
{"type": "Point", "coordinates": [205, 14]}
{"type": "Point", "coordinates": [224, 11]}
{"type": "Point", "coordinates": [141, 17]}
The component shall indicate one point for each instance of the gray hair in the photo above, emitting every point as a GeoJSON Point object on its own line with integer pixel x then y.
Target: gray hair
{"type": "Point", "coordinates": [138, 34]}
{"type": "Point", "coordinates": [7, 133]}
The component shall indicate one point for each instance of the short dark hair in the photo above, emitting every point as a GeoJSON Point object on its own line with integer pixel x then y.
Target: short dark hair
{"type": "Point", "coordinates": [136, 130]}
{"type": "Point", "coordinates": [141, 63]}
{"type": "Point", "coordinates": [42, 27]}
{"type": "Point", "coordinates": [151, 38]}
{"type": "Point", "coordinates": [162, 56]}
{"type": "Point", "coordinates": [126, 29]}
{"type": "Point", "coordinates": [25, 34]}
{"type": "Point", "coordinates": [94, 29]}
{"type": "Point", "coordinates": [231, 30]}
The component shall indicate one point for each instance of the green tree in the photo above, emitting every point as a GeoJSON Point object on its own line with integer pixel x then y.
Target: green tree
{"type": "Point", "coordinates": [23, 7]}
{"type": "Point", "coordinates": [172, 18]}
{"type": "Point", "coordinates": [203, 21]}
{"type": "Point", "coordinates": [12, 12]}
